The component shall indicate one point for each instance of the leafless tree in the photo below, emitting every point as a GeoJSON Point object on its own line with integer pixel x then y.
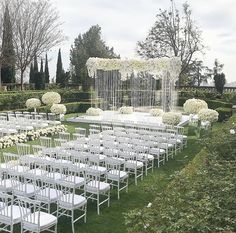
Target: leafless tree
{"type": "Point", "coordinates": [173, 35]}
{"type": "Point", "coordinates": [36, 29]}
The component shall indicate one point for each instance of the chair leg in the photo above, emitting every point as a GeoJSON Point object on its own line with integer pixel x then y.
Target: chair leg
{"type": "Point", "coordinates": [98, 210]}
{"type": "Point", "coordinates": [118, 189]}
{"type": "Point", "coordinates": [72, 221]}
{"type": "Point", "coordinates": [85, 216]}
{"type": "Point", "coordinates": [108, 202]}
{"type": "Point", "coordinates": [135, 176]}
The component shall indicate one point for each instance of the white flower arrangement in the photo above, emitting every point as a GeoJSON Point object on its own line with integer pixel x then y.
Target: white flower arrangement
{"type": "Point", "coordinates": [33, 103]}
{"type": "Point", "coordinates": [94, 111]}
{"type": "Point", "coordinates": [58, 109]}
{"type": "Point", "coordinates": [157, 112]}
{"type": "Point", "coordinates": [193, 106]}
{"type": "Point", "coordinates": [232, 131]}
{"type": "Point", "coordinates": [127, 67]}
{"type": "Point", "coordinates": [171, 118]}
{"type": "Point", "coordinates": [208, 115]}
{"type": "Point", "coordinates": [51, 98]}
{"type": "Point", "coordinates": [8, 141]}
{"type": "Point", "coordinates": [126, 110]}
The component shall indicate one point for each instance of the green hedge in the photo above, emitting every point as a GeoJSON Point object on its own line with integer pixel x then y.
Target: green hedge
{"type": "Point", "coordinates": [74, 107]}
{"type": "Point", "coordinates": [16, 100]}
{"type": "Point", "coordinates": [224, 113]}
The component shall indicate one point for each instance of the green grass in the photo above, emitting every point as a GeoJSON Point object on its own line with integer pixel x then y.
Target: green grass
{"type": "Point", "coordinates": [111, 219]}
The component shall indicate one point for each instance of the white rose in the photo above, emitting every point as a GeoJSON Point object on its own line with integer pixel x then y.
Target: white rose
{"type": "Point", "coordinates": [232, 131]}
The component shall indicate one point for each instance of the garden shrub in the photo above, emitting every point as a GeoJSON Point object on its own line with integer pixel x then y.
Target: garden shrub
{"type": "Point", "coordinates": [16, 100]}
{"type": "Point", "coordinates": [200, 198]}
{"type": "Point", "coordinates": [224, 113]}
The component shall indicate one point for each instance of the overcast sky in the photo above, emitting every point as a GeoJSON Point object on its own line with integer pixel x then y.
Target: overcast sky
{"type": "Point", "coordinates": [124, 22]}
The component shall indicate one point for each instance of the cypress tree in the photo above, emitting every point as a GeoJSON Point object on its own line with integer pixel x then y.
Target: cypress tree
{"type": "Point", "coordinates": [46, 71]}
{"type": "Point", "coordinates": [31, 74]}
{"type": "Point", "coordinates": [60, 71]}
{"type": "Point", "coordinates": [36, 69]}
{"type": "Point", "coordinates": [41, 66]}
{"type": "Point", "coordinates": [8, 54]}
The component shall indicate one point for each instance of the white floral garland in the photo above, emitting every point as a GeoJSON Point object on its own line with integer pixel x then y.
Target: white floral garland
{"type": "Point", "coordinates": [193, 106]}
{"type": "Point", "coordinates": [156, 112]}
{"type": "Point", "coordinates": [126, 110]}
{"type": "Point", "coordinates": [8, 141]}
{"type": "Point", "coordinates": [126, 67]}
{"type": "Point", "coordinates": [171, 118]}
{"type": "Point", "coordinates": [94, 111]}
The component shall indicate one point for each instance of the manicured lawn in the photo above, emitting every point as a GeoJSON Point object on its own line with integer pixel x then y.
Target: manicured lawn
{"type": "Point", "coordinates": [111, 219]}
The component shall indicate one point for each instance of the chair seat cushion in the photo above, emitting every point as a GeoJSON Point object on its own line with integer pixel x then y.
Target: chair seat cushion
{"type": "Point", "coordinates": [24, 190]}
{"type": "Point", "coordinates": [37, 172]}
{"type": "Point", "coordinates": [99, 168]}
{"type": "Point", "coordinates": [96, 186]}
{"type": "Point", "coordinates": [45, 220]}
{"type": "Point", "coordinates": [145, 157]}
{"type": "Point", "coordinates": [72, 201]}
{"type": "Point", "coordinates": [117, 175]}
{"type": "Point", "coordinates": [76, 180]}
{"type": "Point", "coordinates": [55, 175]}
{"type": "Point", "coordinates": [5, 214]}
{"type": "Point", "coordinates": [132, 164]}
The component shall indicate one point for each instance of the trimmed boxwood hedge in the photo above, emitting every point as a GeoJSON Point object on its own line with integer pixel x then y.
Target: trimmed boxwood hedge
{"type": "Point", "coordinates": [16, 100]}
{"type": "Point", "coordinates": [224, 113]}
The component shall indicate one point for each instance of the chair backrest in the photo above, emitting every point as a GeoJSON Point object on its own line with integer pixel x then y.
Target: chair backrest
{"type": "Point", "coordinates": [65, 194]}
{"type": "Point", "coordinates": [92, 180]}
{"type": "Point", "coordinates": [94, 127]}
{"type": "Point", "coordinates": [6, 212]}
{"type": "Point", "coordinates": [37, 149]}
{"type": "Point", "coordinates": [80, 130]}
{"type": "Point", "coordinates": [58, 142]}
{"type": "Point", "coordinates": [11, 160]}
{"type": "Point", "coordinates": [78, 136]}
{"type": "Point", "coordinates": [23, 149]}
{"type": "Point", "coordinates": [45, 141]}
{"type": "Point", "coordinates": [64, 136]}
{"type": "Point", "coordinates": [30, 219]}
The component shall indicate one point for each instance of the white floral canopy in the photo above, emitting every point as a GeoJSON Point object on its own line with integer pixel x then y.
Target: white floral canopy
{"type": "Point", "coordinates": [157, 67]}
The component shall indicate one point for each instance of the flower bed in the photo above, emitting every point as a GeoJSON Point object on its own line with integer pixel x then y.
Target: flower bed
{"type": "Point", "coordinates": [8, 141]}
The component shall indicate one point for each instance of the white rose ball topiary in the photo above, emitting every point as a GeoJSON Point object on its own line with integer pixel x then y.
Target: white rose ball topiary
{"type": "Point", "coordinates": [33, 103]}
{"type": "Point", "coordinates": [193, 106]}
{"type": "Point", "coordinates": [51, 98]}
{"type": "Point", "coordinates": [94, 111]}
{"type": "Point", "coordinates": [171, 118]}
{"type": "Point", "coordinates": [58, 109]}
{"type": "Point", "coordinates": [208, 115]}
{"type": "Point", "coordinates": [126, 110]}
{"type": "Point", "coordinates": [156, 112]}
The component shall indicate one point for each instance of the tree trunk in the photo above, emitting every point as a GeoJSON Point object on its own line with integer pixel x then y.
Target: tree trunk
{"type": "Point", "coordinates": [0, 76]}
{"type": "Point", "coordinates": [21, 79]}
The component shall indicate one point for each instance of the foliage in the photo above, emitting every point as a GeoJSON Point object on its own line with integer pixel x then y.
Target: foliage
{"type": "Point", "coordinates": [89, 44]}
{"type": "Point", "coordinates": [8, 53]}
{"type": "Point", "coordinates": [36, 29]}
{"type": "Point", "coordinates": [201, 198]}
{"type": "Point", "coordinates": [220, 81]}
{"type": "Point", "coordinates": [60, 73]}
{"type": "Point", "coordinates": [224, 113]}
{"type": "Point", "coordinates": [197, 73]}
{"type": "Point", "coordinates": [173, 35]}
{"type": "Point", "coordinates": [46, 71]}
{"type": "Point", "coordinates": [16, 100]}
{"type": "Point", "coordinates": [193, 106]}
